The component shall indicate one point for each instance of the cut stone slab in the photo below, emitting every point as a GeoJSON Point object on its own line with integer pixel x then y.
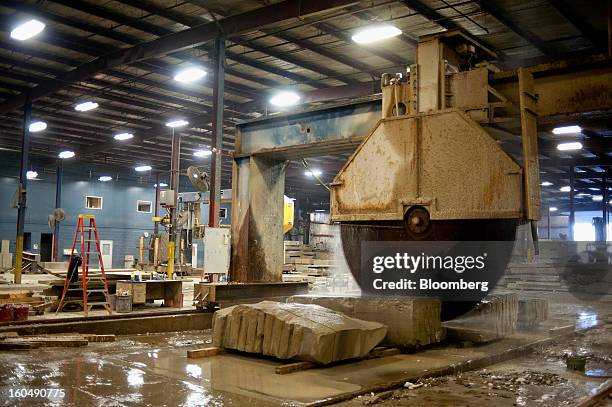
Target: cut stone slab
{"type": "Point", "coordinates": [411, 322]}
{"type": "Point", "coordinates": [295, 331]}
{"type": "Point", "coordinates": [532, 312]}
{"type": "Point", "coordinates": [494, 318]}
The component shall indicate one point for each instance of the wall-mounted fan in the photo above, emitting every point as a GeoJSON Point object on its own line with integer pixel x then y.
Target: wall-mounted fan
{"type": "Point", "coordinates": [198, 178]}
{"type": "Point", "coordinates": [58, 215]}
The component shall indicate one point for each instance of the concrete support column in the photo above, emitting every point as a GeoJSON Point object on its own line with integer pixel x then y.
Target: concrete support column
{"type": "Point", "coordinates": [23, 184]}
{"type": "Point", "coordinates": [258, 186]}
{"type": "Point", "coordinates": [217, 133]}
{"type": "Point", "coordinates": [58, 204]}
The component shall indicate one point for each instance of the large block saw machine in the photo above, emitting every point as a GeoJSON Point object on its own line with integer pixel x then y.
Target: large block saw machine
{"type": "Point", "coordinates": [427, 162]}
{"type": "Point", "coordinates": [429, 170]}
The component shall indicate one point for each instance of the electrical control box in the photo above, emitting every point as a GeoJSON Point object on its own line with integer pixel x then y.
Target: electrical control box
{"type": "Point", "coordinates": [166, 197]}
{"type": "Point", "coordinates": [216, 250]}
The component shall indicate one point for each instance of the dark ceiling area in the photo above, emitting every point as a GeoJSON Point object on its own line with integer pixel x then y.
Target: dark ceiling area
{"type": "Point", "coordinates": [123, 54]}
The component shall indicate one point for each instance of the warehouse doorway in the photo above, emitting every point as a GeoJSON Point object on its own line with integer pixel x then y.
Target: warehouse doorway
{"type": "Point", "coordinates": [106, 247]}
{"type": "Point", "coordinates": [46, 246]}
{"type": "Point", "coordinates": [27, 241]}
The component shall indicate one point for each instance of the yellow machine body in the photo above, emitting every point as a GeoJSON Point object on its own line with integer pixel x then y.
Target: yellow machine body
{"type": "Point", "coordinates": [288, 214]}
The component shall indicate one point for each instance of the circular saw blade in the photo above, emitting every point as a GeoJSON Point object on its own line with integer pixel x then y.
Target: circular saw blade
{"type": "Point", "coordinates": [353, 234]}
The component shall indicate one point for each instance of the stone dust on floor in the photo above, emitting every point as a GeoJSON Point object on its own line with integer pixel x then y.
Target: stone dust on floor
{"type": "Point", "coordinates": [538, 379]}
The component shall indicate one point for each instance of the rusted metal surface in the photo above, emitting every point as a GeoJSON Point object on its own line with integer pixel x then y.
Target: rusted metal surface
{"type": "Point", "coordinates": [457, 172]}
{"type": "Point", "coordinates": [529, 133]}
{"type": "Point", "coordinates": [429, 60]}
{"type": "Point", "coordinates": [568, 87]}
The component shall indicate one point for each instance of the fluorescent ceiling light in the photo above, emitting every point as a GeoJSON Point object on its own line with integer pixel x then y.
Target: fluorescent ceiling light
{"type": "Point", "coordinates": [190, 74]}
{"type": "Point", "coordinates": [376, 33]}
{"type": "Point", "coordinates": [573, 145]}
{"type": "Point", "coordinates": [177, 123]}
{"type": "Point", "coordinates": [583, 194]}
{"type": "Point", "coordinates": [31, 175]}
{"type": "Point", "coordinates": [202, 153]}
{"type": "Point", "coordinates": [86, 106]}
{"type": "Point", "coordinates": [285, 98]}
{"type": "Point", "coordinates": [105, 178]}
{"type": "Point", "coordinates": [66, 154]}
{"type": "Point", "coordinates": [319, 210]}
{"type": "Point", "coordinates": [123, 136]}
{"type": "Point", "coordinates": [161, 185]}
{"type": "Point", "coordinates": [565, 189]}
{"type": "Point", "coordinates": [567, 129]}
{"type": "Point", "coordinates": [142, 168]}
{"type": "Point", "coordinates": [594, 189]}
{"type": "Point", "coordinates": [35, 127]}
{"type": "Point", "coordinates": [597, 198]}
{"type": "Point", "coordinates": [546, 183]}
{"type": "Point", "coordinates": [313, 172]}
{"type": "Point", "coordinates": [27, 30]}
{"type": "Point", "coordinates": [553, 209]}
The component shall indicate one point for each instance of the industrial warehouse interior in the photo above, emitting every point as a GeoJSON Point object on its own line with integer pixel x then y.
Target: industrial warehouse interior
{"type": "Point", "coordinates": [306, 203]}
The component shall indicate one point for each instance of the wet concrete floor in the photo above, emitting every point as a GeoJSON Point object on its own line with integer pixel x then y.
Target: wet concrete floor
{"type": "Point", "coordinates": [153, 370]}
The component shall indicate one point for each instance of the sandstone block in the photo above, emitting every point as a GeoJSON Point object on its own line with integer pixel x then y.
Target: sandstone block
{"type": "Point", "coordinates": [295, 331]}
{"type": "Point", "coordinates": [411, 322]}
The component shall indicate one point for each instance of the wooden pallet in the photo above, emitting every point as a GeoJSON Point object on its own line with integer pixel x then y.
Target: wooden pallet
{"type": "Point", "coordinates": [205, 352]}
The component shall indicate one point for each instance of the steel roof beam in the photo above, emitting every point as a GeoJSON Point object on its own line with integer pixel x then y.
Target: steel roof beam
{"type": "Point", "coordinates": [230, 26]}
{"type": "Point", "coordinates": [443, 21]}
{"type": "Point", "coordinates": [502, 17]}
{"type": "Point", "coordinates": [191, 21]}
{"type": "Point", "coordinates": [596, 38]}
{"type": "Point", "coordinates": [346, 37]}
{"type": "Point", "coordinates": [136, 91]}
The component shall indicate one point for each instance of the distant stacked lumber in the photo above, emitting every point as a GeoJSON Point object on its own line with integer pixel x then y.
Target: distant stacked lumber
{"type": "Point", "coordinates": [305, 263]}
{"type": "Point", "coordinates": [493, 318]}
{"type": "Point", "coordinates": [295, 331]}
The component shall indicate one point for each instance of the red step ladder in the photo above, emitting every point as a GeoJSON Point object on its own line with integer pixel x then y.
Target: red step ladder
{"type": "Point", "coordinates": [86, 235]}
